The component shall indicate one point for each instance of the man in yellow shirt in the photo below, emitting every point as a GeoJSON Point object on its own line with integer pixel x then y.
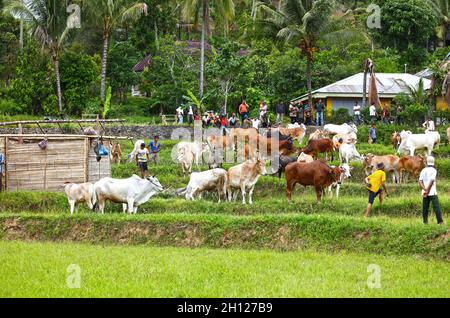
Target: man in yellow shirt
{"type": "Point", "coordinates": [375, 182]}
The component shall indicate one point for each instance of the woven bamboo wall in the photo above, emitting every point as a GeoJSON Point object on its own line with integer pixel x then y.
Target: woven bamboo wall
{"type": "Point", "coordinates": [28, 167]}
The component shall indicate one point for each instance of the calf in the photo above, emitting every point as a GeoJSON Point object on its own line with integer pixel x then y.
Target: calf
{"type": "Point", "coordinates": [317, 174]}
{"type": "Point", "coordinates": [83, 192]}
{"type": "Point", "coordinates": [345, 174]}
{"type": "Point", "coordinates": [411, 164]}
{"type": "Point", "coordinates": [390, 162]}
{"type": "Point", "coordinates": [116, 153]}
{"type": "Point", "coordinates": [396, 139]}
{"type": "Point", "coordinates": [315, 147]}
{"type": "Point", "coordinates": [347, 152]}
{"type": "Point", "coordinates": [210, 180]}
{"type": "Point", "coordinates": [244, 177]}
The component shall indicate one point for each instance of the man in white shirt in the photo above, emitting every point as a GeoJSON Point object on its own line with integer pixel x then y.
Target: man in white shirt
{"type": "Point", "coordinates": [427, 181]}
{"type": "Point", "coordinates": [429, 124]}
{"type": "Point", "coordinates": [357, 113]}
{"type": "Point", "coordinates": [373, 113]}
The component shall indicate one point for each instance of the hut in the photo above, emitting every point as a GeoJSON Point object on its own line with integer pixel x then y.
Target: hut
{"type": "Point", "coordinates": [65, 159]}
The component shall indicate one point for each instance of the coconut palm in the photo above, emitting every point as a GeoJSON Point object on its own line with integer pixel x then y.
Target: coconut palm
{"type": "Point", "coordinates": [111, 14]}
{"type": "Point", "coordinates": [47, 21]}
{"type": "Point", "coordinates": [301, 23]}
{"type": "Point", "coordinates": [193, 9]}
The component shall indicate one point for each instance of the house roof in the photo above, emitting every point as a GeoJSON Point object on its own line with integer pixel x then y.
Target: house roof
{"type": "Point", "coordinates": [141, 65]}
{"type": "Point", "coordinates": [388, 85]}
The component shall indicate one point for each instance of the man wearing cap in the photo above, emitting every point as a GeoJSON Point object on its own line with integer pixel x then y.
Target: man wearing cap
{"type": "Point", "coordinates": [375, 182]}
{"type": "Point", "coordinates": [427, 181]}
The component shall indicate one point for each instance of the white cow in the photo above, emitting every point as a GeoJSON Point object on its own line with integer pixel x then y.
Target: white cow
{"type": "Point", "coordinates": [411, 142]}
{"type": "Point", "coordinates": [210, 180]}
{"type": "Point", "coordinates": [344, 175]}
{"type": "Point", "coordinates": [346, 138]}
{"type": "Point", "coordinates": [189, 152]}
{"type": "Point", "coordinates": [340, 129]}
{"type": "Point", "coordinates": [347, 152]}
{"type": "Point", "coordinates": [131, 192]}
{"type": "Point", "coordinates": [435, 135]}
{"type": "Point", "coordinates": [244, 177]}
{"type": "Point", "coordinates": [79, 193]}
{"type": "Point", "coordinates": [132, 155]}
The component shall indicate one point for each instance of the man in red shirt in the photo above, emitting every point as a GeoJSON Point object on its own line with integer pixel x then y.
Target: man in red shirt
{"type": "Point", "coordinates": [243, 110]}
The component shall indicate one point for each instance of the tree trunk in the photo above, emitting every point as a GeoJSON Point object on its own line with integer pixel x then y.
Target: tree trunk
{"type": "Point", "coordinates": [21, 36]}
{"type": "Point", "coordinates": [226, 98]}
{"type": "Point", "coordinates": [156, 35]}
{"type": "Point", "coordinates": [58, 82]}
{"type": "Point", "coordinates": [309, 62]}
{"type": "Point", "coordinates": [202, 48]}
{"type": "Point", "coordinates": [104, 61]}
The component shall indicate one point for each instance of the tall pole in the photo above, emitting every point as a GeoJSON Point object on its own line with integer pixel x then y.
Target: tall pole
{"type": "Point", "coordinates": [21, 36]}
{"type": "Point", "coordinates": [364, 98]}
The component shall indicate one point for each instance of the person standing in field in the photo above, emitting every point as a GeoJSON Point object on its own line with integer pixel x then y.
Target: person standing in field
{"type": "Point", "coordinates": [373, 113]}
{"type": "Point", "coordinates": [155, 147]}
{"type": "Point", "coordinates": [190, 115]}
{"type": "Point", "coordinates": [142, 159]}
{"type": "Point", "coordinates": [376, 182]}
{"type": "Point", "coordinates": [243, 110]}
{"type": "Point", "coordinates": [427, 181]}
{"type": "Point", "coordinates": [373, 134]}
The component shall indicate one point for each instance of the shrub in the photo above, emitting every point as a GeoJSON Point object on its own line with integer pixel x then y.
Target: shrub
{"type": "Point", "coordinates": [340, 116]}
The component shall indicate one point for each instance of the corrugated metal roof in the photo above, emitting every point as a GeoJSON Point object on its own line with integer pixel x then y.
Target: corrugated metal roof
{"type": "Point", "coordinates": [141, 65]}
{"type": "Point", "coordinates": [388, 85]}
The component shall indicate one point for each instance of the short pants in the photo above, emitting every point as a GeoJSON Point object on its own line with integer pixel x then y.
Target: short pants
{"type": "Point", "coordinates": [143, 166]}
{"type": "Point", "coordinates": [373, 195]}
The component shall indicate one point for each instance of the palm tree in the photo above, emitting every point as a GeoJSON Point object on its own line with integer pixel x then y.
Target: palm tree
{"type": "Point", "coordinates": [111, 13]}
{"type": "Point", "coordinates": [442, 11]}
{"type": "Point", "coordinates": [301, 23]}
{"type": "Point", "coordinates": [47, 21]}
{"type": "Point", "coordinates": [192, 9]}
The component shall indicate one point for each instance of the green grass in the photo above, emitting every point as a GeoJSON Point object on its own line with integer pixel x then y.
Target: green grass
{"type": "Point", "coordinates": [40, 270]}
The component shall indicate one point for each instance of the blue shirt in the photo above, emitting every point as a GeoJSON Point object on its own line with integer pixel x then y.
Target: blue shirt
{"type": "Point", "coordinates": [153, 147]}
{"type": "Point", "coordinates": [373, 133]}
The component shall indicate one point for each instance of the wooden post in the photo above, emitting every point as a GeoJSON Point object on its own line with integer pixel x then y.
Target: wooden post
{"type": "Point", "coordinates": [19, 126]}
{"type": "Point", "coordinates": [86, 159]}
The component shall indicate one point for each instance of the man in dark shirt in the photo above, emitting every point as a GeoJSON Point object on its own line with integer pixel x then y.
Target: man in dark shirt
{"type": "Point", "coordinates": [319, 113]}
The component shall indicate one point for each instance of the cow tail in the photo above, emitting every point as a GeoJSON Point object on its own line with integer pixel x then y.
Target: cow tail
{"type": "Point", "coordinates": [224, 186]}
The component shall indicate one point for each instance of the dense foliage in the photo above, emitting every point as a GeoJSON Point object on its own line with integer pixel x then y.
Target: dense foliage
{"type": "Point", "coordinates": [257, 55]}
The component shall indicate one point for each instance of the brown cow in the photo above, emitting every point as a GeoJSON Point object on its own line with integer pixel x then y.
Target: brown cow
{"type": "Point", "coordinates": [226, 141]}
{"type": "Point", "coordinates": [396, 140]}
{"type": "Point", "coordinates": [390, 162]}
{"type": "Point", "coordinates": [261, 145]}
{"type": "Point", "coordinates": [242, 134]}
{"type": "Point", "coordinates": [314, 147]}
{"type": "Point", "coordinates": [317, 174]}
{"type": "Point", "coordinates": [411, 164]}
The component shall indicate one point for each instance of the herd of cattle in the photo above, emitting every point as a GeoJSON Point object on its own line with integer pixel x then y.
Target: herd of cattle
{"type": "Point", "coordinates": [253, 147]}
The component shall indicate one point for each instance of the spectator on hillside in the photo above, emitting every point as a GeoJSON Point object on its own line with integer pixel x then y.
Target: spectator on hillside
{"type": "Point", "coordinates": [373, 113]}
{"type": "Point", "coordinates": [233, 121]}
{"type": "Point", "coordinates": [263, 113]}
{"type": "Point", "coordinates": [243, 110]}
{"type": "Point", "coordinates": [429, 124]}
{"type": "Point", "coordinates": [142, 159]}
{"type": "Point", "coordinates": [319, 113]}
{"type": "Point", "coordinates": [373, 134]}
{"type": "Point", "coordinates": [179, 113]}
{"type": "Point", "coordinates": [223, 124]}
{"type": "Point", "coordinates": [308, 115]}
{"type": "Point", "coordinates": [386, 115]}
{"type": "Point", "coordinates": [190, 115]}
{"type": "Point", "coordinates": [357, 113]}
{"type": "Point", "coordinates": [427, 181]}
{"type": "Point", "coordinates": [280, 112]}
{"type": "Point", "coordinates": [301, 113]}
{"type": "Point", "coordinates": [399, 114]}
{"type": "Point", "coordinates": [293, 113]}
{"type": "Point", "coordinates": [375, 182]}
